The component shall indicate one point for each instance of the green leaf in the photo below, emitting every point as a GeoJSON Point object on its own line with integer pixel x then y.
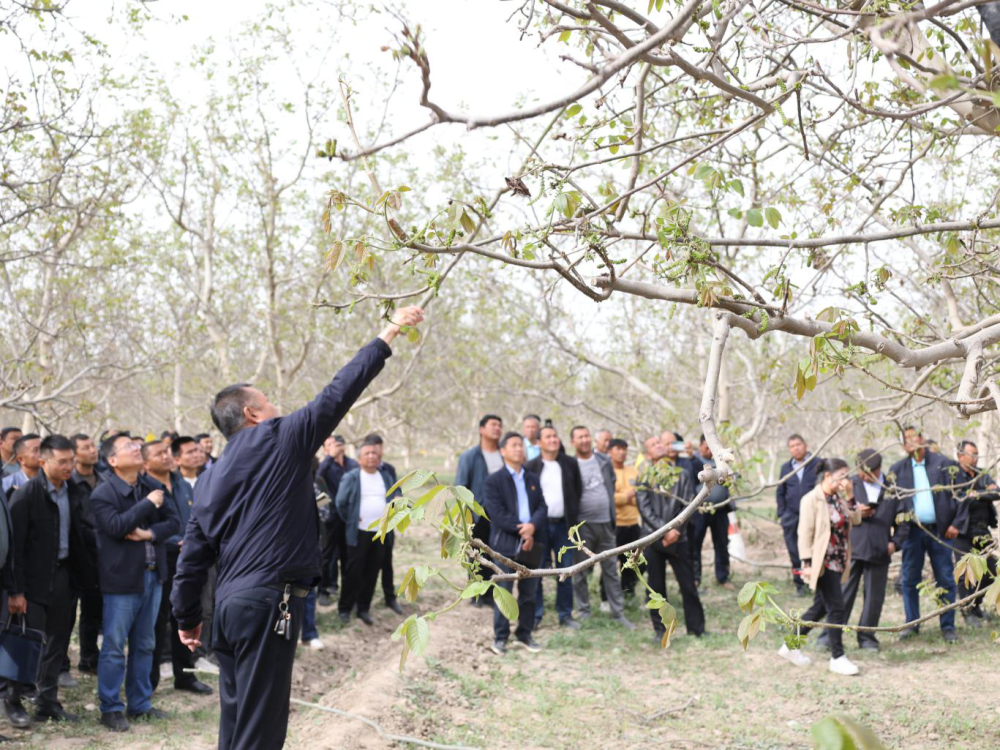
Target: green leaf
{"type": "Point", "coordinates": [754, 217]}
{"type": "Point", "coordinates": [564, 37]}
{"type": "Point", "coordinates": [746, 596]}
{"type": "Point", "coordinates": [335, 255]}
{"type": "Point", "coordinates": [995, 96]}
{"type": "Point", "coordinates": [418, 635]}
{"type": "Point", "coordinates": [476, 588]}
{"type": "Point", "coordinates": [574, 110]}
{"type": "Point", "coordinates": [735, 213]}
{"type": "Point", "coordinates": [773, 217]}
{"type": "Point", "coordinates": [668, 616]}
{"type": "Point", "coordinates": [944, 82]}
{"type": "Point", "coordinates": [703, 171]}
{"type": "Point", "coordinates": [505, 602]}
{"type": "Point", "coordinates": [736, 186]}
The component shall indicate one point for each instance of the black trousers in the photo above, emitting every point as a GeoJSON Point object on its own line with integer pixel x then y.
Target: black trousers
{"type": "Point", "coordinates": [168, 641]}
{"type": "Point", "coordinates": [526, 591]}
{"type": "Point", "coordinates": [334, 560]}
{"type": "Point", "coordinates": [388, 588]}
{"type": "Point", "coordinates": [208, 612]}
{"type": "Point", "coordinates": [55, 619]}
{"type": "Point", "coordinates": [625, 535]}
{"type": "Point", "coordinates": [678, 555]}
{"type": "Point", "coordinates": [255, 669]}
{"type": "Point", "coordinates": [481, 531]}
{"type": "Point", "coordinates": [792, 545]}
{"type": "Point", "coordinates": [718, 524]}
{"type": "Point", "coordinates": [91, 605]}
{"type": "Point", "coordinates": [964, 543]}
{"type": "Point", "coordinates": [364, 561]}
{"type": "Point", "coordinates": [876, 577]}
{"type": "Point", "coordinates": [828, 602]}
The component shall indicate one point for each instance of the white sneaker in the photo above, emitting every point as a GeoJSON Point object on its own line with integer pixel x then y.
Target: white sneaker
{"type": "Point", "coordinates": [605, 607]}
{"type": "Point", "coordinates": [795, 656]}
{"type": "Point", "coordinates": [204, 665]}
{"type": "Point", "coordinates": [843, 665]}
{"type": "Point", "coordinates": [316, 644]}
{"type": "Point", "coordinates": [166, 670]}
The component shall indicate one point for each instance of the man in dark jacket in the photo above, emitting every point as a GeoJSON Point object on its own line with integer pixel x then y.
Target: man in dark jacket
{"type": "Point", "coordinates": [255, 513]}
{"type": "Point", "coordinates": [976, 517]}
{"type": "Point", "coordinates": [45, 516]}
{"type": "Point", "coordinates": [331, 470]}
{"type": "Point", "coordinates": [133, 524]}
{"type": "Point", "coordinates": [388, 587]}
{"type": "Point", "coordinates": [512, 498]}
{"type": "Point", "coordinates": [873, 543]}
{"type": "Point", "coordinates": [561, 485]}
{"type": "Point", "coordinates": [926, 478]}
{"type": "Point", "coordinates": [474, 465]}
{"type": "Point", "coordinates": [717, 522]}
{"type": "Point", "coordinates": [361, 500]}
{"type": "Point", "coordinates": [798, 476]}
{"type": "Point", "coordinates": [658, 506]}
{"type": "Point", "coordinates": [179, 497]}
{"type": "Point", "coordinates": [86, 477]}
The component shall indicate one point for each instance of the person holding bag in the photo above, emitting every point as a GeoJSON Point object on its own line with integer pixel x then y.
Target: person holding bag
{"type": "Point", "coordinates": [827, 513]}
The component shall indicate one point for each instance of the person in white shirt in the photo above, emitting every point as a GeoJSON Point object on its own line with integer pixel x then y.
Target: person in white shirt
{"type": "Point", "coordinates": [361, 501]}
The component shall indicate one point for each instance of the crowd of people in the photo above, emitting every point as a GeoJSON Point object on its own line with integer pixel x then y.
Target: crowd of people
{"type": "Point", "coordinates": [92, 530]}
{"type": "Point", "coordinates": [842, 524]}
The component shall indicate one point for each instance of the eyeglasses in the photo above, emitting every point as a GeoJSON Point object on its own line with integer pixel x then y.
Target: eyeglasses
{"type": "Point", "coordinates": [133, 447]}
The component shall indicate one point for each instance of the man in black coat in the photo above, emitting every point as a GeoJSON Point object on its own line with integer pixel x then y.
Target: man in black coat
{"type": "Point", "coordinates": [331, 470]}
{"type": "Point", "coordinates": [255, 514]}
{"type": "Point", "coordinates": [926, 479]}
{"type": "Point", "coordinates": [798, 477]}
{"type": "Point", "coordinates": [976, 493]}
{"type": "Point", "coordinates": [47, 565]}
{"type": "Point", "coordinates": [512, 498]}
{"type": "Point", "coordinates": [658, 506]}
{"type": "Point", "coordinates": [561, 485]}
{"type": "Point", "coordinates": [133, 523]}
{"type": "Point", "coordinates": [873, 543]}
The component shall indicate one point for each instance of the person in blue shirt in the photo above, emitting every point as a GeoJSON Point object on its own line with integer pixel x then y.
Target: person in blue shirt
{"type": "Point", "coordinates": [512, 498]}
{"type": "Point", "coordinates": [925, 478]}
{"type": "Point", "coordinates": [255, 514]}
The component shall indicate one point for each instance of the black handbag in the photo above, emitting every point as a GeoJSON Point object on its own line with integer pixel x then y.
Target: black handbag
{"type": "Point", "coordinates": [21, 650]}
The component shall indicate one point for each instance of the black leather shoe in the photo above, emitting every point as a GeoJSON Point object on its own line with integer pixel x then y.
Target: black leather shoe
{"type": "Point", "coordinates": [950, 636]}
{"type": "Point", "coordinates": [16, 714]}
{"type": "Point", "coordinates": [323, 599]}
{"type": "Point", "coordinates": [394, 606]}
{"type": "Point", "coordinates": [908, 633]}
{"type": "Point", "coordinates": [153, 713]}
{"type": "Point", "coordinates": [86, 668]}
{"type": "Point", "coordinates": [365, 618]}
{"type": "Point", "coordinates": [197, 687]}
{"type": "Point", "coordinates": [115, 721]}
{"type": "Point", "coordinates": [54, 713]}
{"type": "Point", "coordinates": [345, 617]}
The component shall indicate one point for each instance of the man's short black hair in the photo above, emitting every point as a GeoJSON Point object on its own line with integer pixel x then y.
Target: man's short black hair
{"type": "Point", "coordinates": [678, 438]}
{"type": "Point", "coordinates": [914, 428]}
{"type": "Point", "coordinates": [617, 443]}
{"type": "Point", "coordinates": [510, 436]}
{"type": "Point", "coordinates": [201, 436]}
{"type": "Point", "coordinates": [373, 439]}
{"type": "Point", "coordinates": [178, 443]}
{"type": "Point", "coordinates": [22, 441]}
{"type": "Point", "coordinates": [7, 430]}
{"type": "Point", "coordinates": [54, 443]}
{"type": "Point", "coordinates": [965, 444]}
{"type": "Point", "coordinates": [168, 434]}
{"type": "Point", "coordinates": [227, 408]}
{"type": "Point", "coordinates": [108, 445]}
{"type": "Point", "coordinates": [532, 416]}
{"type": "Point", "coordinates": [870, 460]}
{"type": "Point", "coordinates": [572, 432]}
{"type": "Point", "coordinates": [795, 436]}
{"type": "Point", "coordinates": [147, 446]}
{"type": "Point", "coordinates": [339, 439]}
{"type": "Point", "coordinates": [487, 418]}
{"type": "Point", "coordinates": [78, 438]}
{"type": "Point", "coordinates": [547, 427]}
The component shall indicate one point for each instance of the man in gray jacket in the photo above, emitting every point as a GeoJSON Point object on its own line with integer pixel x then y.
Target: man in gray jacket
{"type": "Point", "coordinates": [597, 510]}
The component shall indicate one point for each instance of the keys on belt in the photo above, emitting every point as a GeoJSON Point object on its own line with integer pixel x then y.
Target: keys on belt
{"type": "Point", "coordinates": [283, 627]}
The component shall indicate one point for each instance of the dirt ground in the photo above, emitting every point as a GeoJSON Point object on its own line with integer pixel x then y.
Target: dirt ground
{"type": "Point", "coordinates": [600, 686]}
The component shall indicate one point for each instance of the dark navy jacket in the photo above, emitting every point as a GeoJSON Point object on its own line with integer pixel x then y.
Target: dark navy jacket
{"type": "Point", "coordinates": [975, 502]}
{"type": "Point", "coordinates": [331, 473]}
{"type": "Point", "coordinates": [255, 509]}
{"type": "Point", "coordinates": [472, 471]}
{"type": "Point", "coordinates": [499, 500]}
{"type": "Point", "coordinates": [181, 498]}
{"type": "Point", "coordinates": [349, 499]}
{"type": "Point", "coordinates": [940, 474]}
{"type": "Point", "coordinates": [870, 539]}
{"type": "Point", "coordinates": [790, 492]}
{"type": "Point", "coordinates": [119, 508]}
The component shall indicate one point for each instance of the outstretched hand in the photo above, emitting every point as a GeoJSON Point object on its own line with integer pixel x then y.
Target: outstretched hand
{"type": "Point", "coordinates": [404, 316]}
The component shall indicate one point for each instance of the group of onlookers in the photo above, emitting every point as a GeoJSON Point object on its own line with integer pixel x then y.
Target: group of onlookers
{"type": "Point", "coordinates": [842, 524]}
{"type": "Point", "coordinates": [842, 530]}
{"type": "Point", "coordinates": [97, 528]}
